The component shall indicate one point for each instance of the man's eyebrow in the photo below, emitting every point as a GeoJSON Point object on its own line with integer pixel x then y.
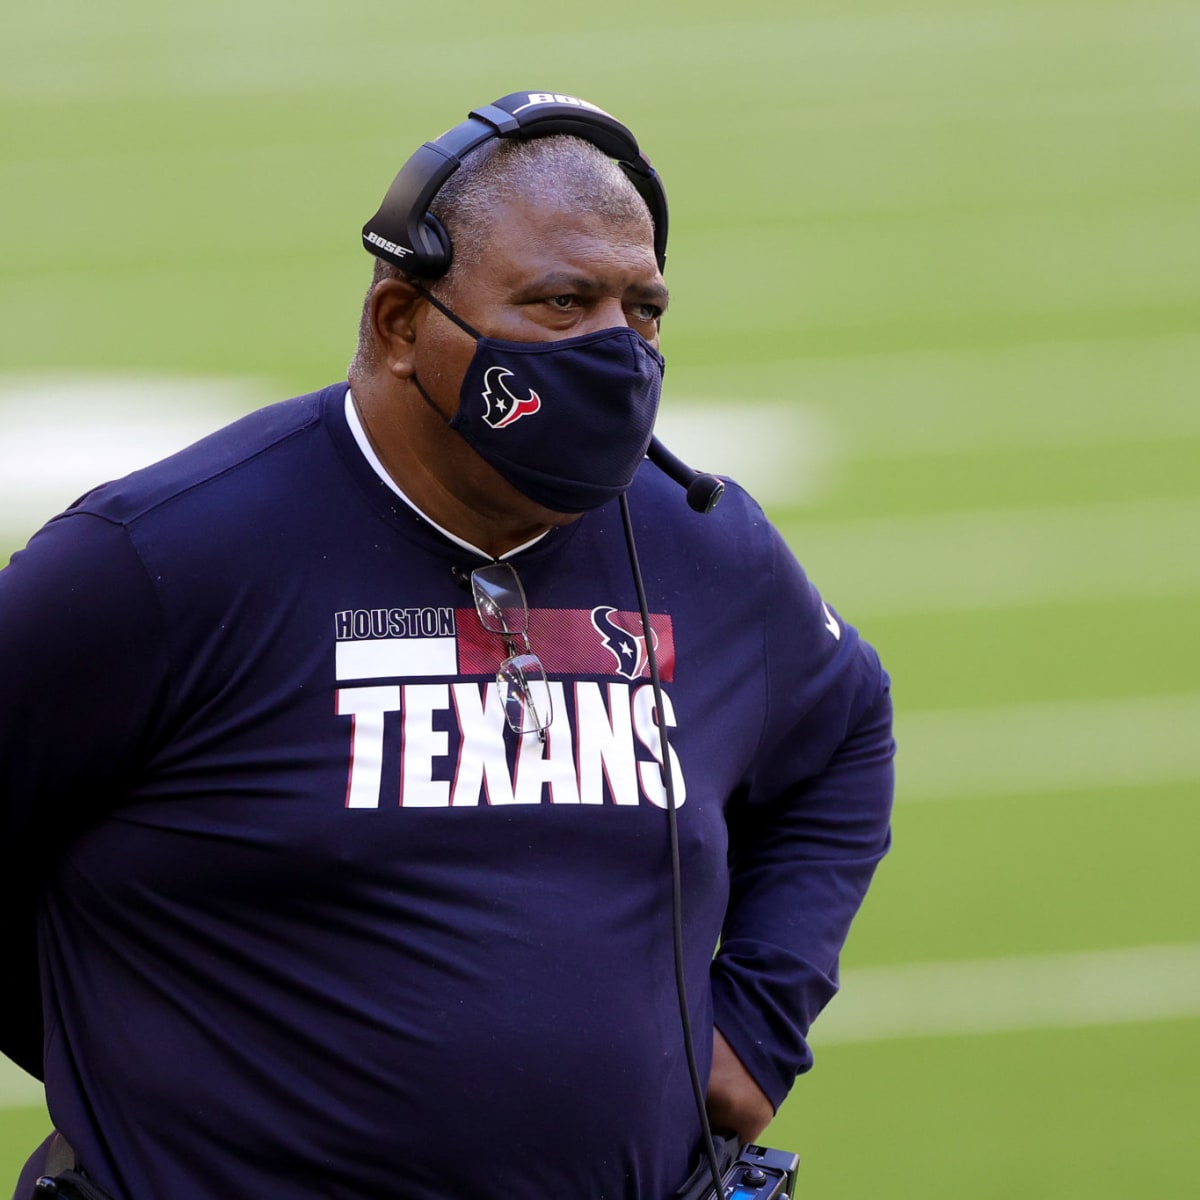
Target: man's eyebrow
{"type": "Point", "coordinates": [589, 286]}
{"type": "Point", "coordinates": [657, 292]}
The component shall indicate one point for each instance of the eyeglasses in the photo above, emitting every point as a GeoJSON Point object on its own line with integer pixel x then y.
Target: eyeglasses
{"type": "Point", "coordinates": [524, 690]}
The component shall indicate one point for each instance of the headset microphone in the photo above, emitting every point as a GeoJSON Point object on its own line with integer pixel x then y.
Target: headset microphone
{"type": "Point", "coordinates": [704, 492]}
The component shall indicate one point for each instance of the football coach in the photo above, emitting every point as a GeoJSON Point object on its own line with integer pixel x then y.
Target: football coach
{"type": "Point", "coordinates": [410, 791]}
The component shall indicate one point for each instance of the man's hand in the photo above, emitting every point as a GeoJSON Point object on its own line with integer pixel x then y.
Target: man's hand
{"type": "Point", "coordinates": [735, 1101]}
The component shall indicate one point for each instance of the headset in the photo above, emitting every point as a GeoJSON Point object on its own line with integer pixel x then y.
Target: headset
{"type": "Point", "coordinates": [405, 233]}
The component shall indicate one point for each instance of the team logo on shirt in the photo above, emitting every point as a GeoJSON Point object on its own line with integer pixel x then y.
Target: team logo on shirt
{"type": "Point", "coordinates": [629, 649]}
{"type": "Point", "coordinates": [503, 408]}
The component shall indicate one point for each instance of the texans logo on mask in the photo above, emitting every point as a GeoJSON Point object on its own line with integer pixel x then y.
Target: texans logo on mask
{"type": "Point", "coordinates": [503, 408]}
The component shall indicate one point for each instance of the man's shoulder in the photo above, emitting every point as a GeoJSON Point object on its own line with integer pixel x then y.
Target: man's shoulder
{"type": "Point", "coordinates": [259, 439]}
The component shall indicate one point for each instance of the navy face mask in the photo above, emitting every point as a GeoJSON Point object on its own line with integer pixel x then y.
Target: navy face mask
{"type": "Point", "coordinates": [565, 422]}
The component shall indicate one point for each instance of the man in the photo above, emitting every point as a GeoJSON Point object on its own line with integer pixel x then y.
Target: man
{"type": "Point", "coordinates": [332, 755]}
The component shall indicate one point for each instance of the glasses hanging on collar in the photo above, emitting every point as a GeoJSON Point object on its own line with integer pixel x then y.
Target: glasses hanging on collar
{"type": "Point", "coordinates": [521, 678]}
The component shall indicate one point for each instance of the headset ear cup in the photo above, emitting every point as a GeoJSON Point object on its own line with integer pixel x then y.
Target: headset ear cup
{"type": "Point", "coordinates": [441, 257]}
{"type": "Point", "coordinates": [434, 254]}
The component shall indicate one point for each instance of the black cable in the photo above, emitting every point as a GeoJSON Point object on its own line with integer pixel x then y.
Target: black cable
{"type": "Point", "coordinates": [710, 1149]}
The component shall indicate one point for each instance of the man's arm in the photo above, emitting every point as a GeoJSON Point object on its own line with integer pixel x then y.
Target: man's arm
{"type": "Point", "coordinates": [802, 865]}
{"type": "Point", "coordinates": [807, 830]}
{"type": "Point", "coordinates": [82, 687]}
{"type": "Point", "coordinates": [735, 1101]}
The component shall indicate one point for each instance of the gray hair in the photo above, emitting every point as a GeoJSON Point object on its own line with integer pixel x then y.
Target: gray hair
{"type": "Point", "coordinates": [568, 170]}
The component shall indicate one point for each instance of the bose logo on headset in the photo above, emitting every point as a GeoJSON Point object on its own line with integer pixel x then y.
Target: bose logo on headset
{"type": "Point", "coordinates": [384, 244]}
{"type": "Point", "coordinates": [407, 234]}
{"type": "Point", "coordinates": [557, 98]}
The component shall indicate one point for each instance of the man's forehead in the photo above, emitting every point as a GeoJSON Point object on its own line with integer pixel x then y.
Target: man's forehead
{"type": "Point", "coordinates": [541, 237]}
{"type": "Point", "coordinates": [550, 202]}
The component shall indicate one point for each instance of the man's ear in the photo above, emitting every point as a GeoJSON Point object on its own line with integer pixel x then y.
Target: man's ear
{"type": "Point", "coordinates": [393, 308]}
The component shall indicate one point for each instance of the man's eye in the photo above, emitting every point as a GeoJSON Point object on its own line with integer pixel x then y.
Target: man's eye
{"type": "Point", "coordinates": [646, 312]}
{"type": "Point", "coordinates": [561, 301]}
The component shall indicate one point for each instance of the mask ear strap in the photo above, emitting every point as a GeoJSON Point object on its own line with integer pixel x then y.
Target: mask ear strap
{"type": "Point", "coordinates": [429, 399]}
{"type": "Point", "coordinates": [453, 316]}
{"type": "Point", "coordinates": [446, 312]}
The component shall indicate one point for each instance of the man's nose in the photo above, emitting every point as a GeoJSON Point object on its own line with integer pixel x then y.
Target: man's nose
{"type": "Point", "coordinates": [608, 313]}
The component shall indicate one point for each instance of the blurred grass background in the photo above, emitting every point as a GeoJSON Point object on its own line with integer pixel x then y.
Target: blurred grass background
{"type": "Point", "coordinates": [935, 272]}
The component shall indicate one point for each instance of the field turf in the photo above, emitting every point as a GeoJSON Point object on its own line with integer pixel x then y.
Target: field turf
{"type": "Point", "coordinates": [936, 297]}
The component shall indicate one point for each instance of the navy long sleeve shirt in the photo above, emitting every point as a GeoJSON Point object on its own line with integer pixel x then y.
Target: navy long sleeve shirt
{"type": "Point", "coordinates": [313, 922]}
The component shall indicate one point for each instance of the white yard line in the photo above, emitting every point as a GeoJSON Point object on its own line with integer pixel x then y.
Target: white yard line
{"type": "Point", "coordinates": [781, 453]}
{"type": "Point", "coordinates": [1047, 746]}
{"type": "Point", "coordinates": [1004, 558]}
{"type": "Point", "coordinates": [1051, 991]}
{"type": "Point", "coordinates": [16, 1088]}
{"type": "Point", "coordinates": [63, 433]}
{"type": "Point", "coordinates": [922, 402]}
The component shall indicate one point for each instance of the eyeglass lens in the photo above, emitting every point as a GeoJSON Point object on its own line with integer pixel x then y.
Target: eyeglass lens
{"type": "Point", "coordinates": [525, 692]}
{"type": "Point", "coordinates": [502, 608]}
{"type": "Point", "coordinates": [500, 599]}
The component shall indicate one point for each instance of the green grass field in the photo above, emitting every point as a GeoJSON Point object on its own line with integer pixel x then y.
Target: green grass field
{"type": "Point", "coordinates": [936, 294]}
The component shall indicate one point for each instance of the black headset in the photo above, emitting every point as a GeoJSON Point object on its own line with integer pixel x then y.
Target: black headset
{"type": "Point", "coordinates": [403, 231]}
